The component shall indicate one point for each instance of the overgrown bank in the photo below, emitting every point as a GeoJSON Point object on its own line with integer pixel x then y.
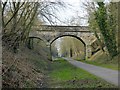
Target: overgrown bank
{"type": "Point", "coordinates": [25, 69]}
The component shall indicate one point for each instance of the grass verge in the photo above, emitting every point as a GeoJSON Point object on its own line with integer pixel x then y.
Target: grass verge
{"type": "Point", "coordinates": [65, 75]}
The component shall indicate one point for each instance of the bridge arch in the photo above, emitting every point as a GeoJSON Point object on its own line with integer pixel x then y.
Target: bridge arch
{"type": "Point", "coordinates": [34, 37]}
{"type": "Point", "coordinates": [69, 36]}
{"type": "Point", "coordinates": [31, 39]}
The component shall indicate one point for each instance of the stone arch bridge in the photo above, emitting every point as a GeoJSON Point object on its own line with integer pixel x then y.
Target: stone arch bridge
{"type": "Point", "coordinates": [50, 33]}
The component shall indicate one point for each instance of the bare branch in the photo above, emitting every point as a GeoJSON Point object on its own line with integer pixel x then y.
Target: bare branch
{"type": "Point", "coordinates": [13, 15]}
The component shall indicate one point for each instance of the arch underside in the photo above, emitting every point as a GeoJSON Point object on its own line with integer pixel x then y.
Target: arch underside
{"type": "Point", "coordinates": [67, 35]}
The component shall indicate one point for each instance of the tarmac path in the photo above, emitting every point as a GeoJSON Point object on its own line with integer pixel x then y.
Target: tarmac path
{"type": "Point", "coordinates": [109, 75]}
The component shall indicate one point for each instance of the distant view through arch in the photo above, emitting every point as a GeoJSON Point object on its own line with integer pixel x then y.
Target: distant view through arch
{"type": "Point", "coordinates": [68, 46]}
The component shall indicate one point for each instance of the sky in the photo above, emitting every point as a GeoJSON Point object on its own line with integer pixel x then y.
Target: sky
{"type": "Point", "coordinates": [75, 8]}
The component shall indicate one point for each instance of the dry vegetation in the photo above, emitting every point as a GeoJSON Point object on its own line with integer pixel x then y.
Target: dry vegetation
{"type": "Point", "coordinates": [24, 69]}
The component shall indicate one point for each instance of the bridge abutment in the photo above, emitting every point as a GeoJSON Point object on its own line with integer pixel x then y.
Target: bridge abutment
{"type": "Point", "coordinates": [50, 51]}
{"type": "Point", "coordinates": [88, 51]}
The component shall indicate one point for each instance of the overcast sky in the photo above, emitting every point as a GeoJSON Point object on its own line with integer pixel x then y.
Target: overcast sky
{"type": "Point", "coordinates": [75, 8]}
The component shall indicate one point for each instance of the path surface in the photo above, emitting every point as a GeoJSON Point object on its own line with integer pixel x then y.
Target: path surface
{"type": "Point", "coordinates": [109, 75]}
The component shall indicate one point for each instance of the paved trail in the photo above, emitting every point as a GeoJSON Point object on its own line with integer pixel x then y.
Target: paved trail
{"type": "Point", "coordinates": [109, 75]}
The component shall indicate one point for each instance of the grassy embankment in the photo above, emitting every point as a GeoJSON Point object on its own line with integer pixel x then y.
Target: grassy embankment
{"type": "Point", "coordinates": [101, 59]}
{"type": "Point", "coordinates": [65, 75]}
